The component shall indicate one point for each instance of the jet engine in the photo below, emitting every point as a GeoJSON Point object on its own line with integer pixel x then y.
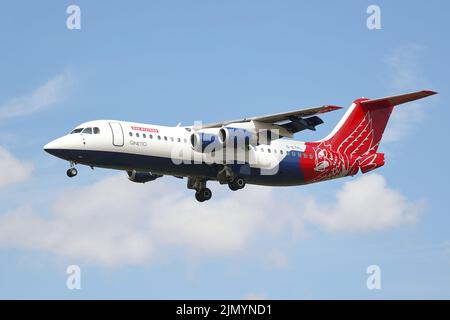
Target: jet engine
{"type": "Point", "coordinates": [237, 137]}
{"type": "Point", "coordinates": [141, 177]}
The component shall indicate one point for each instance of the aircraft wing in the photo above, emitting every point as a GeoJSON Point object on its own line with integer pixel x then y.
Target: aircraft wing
{"type": "Point", "coordinates": [295, 119]}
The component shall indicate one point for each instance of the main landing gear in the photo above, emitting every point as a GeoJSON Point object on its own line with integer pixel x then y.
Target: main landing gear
{"type": "Point", "coordinates": [202, 193]}
{"type": "Point", "coordinates": [236, 184]}
{"type": "Point", "coordinates": [227, 176]}
{"type": "Point", "coordinates": [72, 171]}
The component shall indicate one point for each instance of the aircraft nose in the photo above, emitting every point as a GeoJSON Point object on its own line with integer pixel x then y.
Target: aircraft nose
{"type": "Point", "coordinates": [51, 147]}
{"type": "Point", "coordinates": [55, 147]}
{"type": "Point", "coordinates": [65, 147]}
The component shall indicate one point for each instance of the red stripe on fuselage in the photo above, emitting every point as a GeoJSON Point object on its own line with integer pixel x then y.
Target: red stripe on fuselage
{"type": "Point", "coordinates": [144, 129]}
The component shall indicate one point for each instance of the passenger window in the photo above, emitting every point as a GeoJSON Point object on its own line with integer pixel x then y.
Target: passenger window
{"type": "Point", "coordinates": [150, 136]}
{"type": "Point", "coordinates": [305, 155]}
{"type": "Point", "coordinates": [131, 134]}
{"type": "Point", "coordinates": [178, 139]}
{"type": "Point", "coordinates": [281, 151]}
{"type": "Point", "coordinates": [171, 139]}
{"type": "Point", "coordinates": [274, 150]}
{"type": "Point", "coordinates": [96, 130]}
{"type": "Point", "coordinates": [185, 140]}
{"type": "Point", "coordinates": [165, 138]}
{"type": "Point", "coordinates": [78, 130]}
{"type": "Point", "coordinates": [268, 150]}
{"type": "Point", "coordinates": [310, 156]}
{"type": "Point", "coordinates": [159, 137]}
{"type": "Point", "coordinates": [87, 131]}
{"type": "Point", "coordinates": [137, 135]}
{"type": "Point", "coordinates": [144, 136]}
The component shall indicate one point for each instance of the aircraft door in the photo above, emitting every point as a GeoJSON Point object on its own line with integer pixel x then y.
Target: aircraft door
{"type": "Point", "coordinates": [117, 134]}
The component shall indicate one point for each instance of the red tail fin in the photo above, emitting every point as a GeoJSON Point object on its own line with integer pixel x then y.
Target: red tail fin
{"type": "Point", "coordinates": [360, 130]}
{"type": "Point", "coordinates": [353, 144]}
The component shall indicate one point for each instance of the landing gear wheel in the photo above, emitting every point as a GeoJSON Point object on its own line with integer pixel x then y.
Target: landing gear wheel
{"type": "Point", "coordinates": [206, 194]}
{"type": "Point", "coordinates": [198, 197]}
{"type": "Point", "coordinates": [203, 195]}
{"type": "Point", "coordinates": [72, 172]}
{"type": "Point", "coordinates": [237, 183]}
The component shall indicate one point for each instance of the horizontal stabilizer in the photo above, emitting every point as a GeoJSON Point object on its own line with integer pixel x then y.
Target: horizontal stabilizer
{"type": "Point", "coordinates": [403, 98]}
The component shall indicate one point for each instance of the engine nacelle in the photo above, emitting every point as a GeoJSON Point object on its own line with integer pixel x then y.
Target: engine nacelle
{"type": "Point", "coordinates": [141, 177]}
{"type": "Point", "coordinates": [202, 141]}
{"type": "Point", "coordinates": [371, 162]}
{"type": "Point", "coordinates": [236, 137]}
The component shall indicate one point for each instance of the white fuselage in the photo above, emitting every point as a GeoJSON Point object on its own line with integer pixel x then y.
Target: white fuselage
{"type": "Point", "coordinates": [162, 150]}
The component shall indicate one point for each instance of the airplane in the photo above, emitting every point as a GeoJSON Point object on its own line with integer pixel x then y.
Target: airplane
{"type": "Point", "coordinates": [256, 150]}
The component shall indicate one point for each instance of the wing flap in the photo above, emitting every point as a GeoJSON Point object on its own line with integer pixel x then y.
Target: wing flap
{"type": "Point", "coordinates": [300, 124]}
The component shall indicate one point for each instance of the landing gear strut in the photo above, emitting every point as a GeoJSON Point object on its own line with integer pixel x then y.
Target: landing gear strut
{"type": "Point", "coordinates": [202, 193]}
{"type": "Point", "coordinates": [72, 171]}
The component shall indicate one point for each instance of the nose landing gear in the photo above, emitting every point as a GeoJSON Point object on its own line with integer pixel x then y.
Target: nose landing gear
{"type": "Point", "coordinates": [72, 171]}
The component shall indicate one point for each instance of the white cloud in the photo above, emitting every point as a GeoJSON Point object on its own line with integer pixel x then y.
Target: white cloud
{"type": "Point", "coordinates": [405, 76]}
{"type": "Point", "coordinates": [115, 222]}
{"type": "Point", "coordinates": [365, 204]}
{"type": "Point", "coordinates": [277, 260]}
{"type": "Point", "coordinates": [12, 170]}
{"type": "Point", "coordinates": [50, 93]}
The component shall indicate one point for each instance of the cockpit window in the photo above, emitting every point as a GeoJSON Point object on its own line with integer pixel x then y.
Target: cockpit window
{"type": "Point", "coordinates": [96, 130]}
{"type": "Point", "coordinates": [87, 131]}
{"type": "Point", "coordinates": [77, 130]}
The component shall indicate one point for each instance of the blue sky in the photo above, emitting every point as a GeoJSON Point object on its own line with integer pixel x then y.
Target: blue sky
{"type": "Point", "coordinates": [166, 62]}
